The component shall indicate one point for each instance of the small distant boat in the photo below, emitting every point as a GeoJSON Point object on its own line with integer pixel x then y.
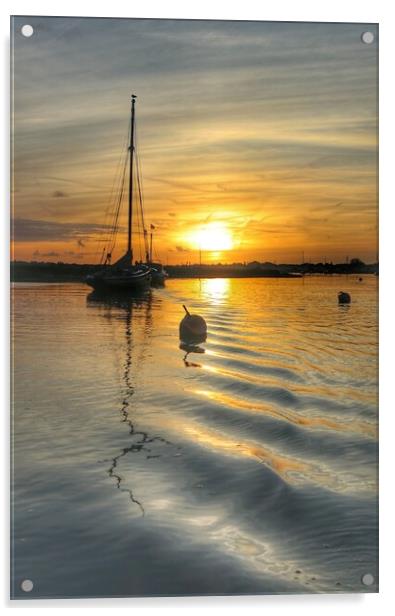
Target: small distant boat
{"type": "Point", "coordinates": [158, 272]}
{"type": "Point", "coordinates": [124, 275]}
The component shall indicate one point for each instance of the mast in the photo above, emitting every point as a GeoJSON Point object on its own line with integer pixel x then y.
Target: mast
{"type": "Point", "coordinates": [131, 150]}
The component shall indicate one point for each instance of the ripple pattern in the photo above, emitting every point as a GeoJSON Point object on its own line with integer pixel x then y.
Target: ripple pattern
{"type": "Point", "coordinates": [248, 465]}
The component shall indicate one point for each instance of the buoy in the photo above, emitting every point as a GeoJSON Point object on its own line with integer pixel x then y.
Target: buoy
{"type": "Point", "coordinates": [360, 279]}
{"type": "Point", "coordinates": [193, 328]}
{"type": "Point", "coordinates": [344, 298]}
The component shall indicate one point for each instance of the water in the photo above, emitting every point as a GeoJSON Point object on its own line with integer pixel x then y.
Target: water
{"type": "Point", "coordinates": [249, 468]}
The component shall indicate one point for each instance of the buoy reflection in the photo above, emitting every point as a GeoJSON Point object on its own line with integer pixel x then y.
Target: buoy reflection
{"type": "Point", "coordinates": [190, 348]}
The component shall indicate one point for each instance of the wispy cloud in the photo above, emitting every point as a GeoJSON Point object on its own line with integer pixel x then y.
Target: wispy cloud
{"type": "Point", "coordinates": [51, 253]}
{"type": "Point", "coordinates": [27, 230]}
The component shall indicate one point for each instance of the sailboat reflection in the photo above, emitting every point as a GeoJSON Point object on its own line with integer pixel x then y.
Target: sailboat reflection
{"type": "Point", "coordinates": [121, 307]}
{"type": "Point", "coordinates": [125, 299]}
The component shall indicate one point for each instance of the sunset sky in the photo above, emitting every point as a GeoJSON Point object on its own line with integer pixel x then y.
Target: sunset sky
{"type": "Point", "coordinates": [257, 140]}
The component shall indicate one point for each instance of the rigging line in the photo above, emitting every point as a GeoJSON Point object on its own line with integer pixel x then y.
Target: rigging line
{"type": "Point", "coordinates": [117, 190]}
{"type": "Point", "coordinates": [139, 232]}
{"type": "Point", "coordinates": [142, 211]}
{"type": "Point", "coordinates": [141, 198]}
{"type": "Point", "coordinates": [110, 224]}
{"type": "Point", "coordinates": [139, 169]}
{"type": "Point", "coordinates": [157, 255]}
{"type": "Point", "coordinates": [116, 218]}
{"type": "Point", "coordinates": [111, 238]}
{"type": "Point", "coordinates": [112, 233]}
{"type": "Point", "coordinates": [120, 195]}
{"type": "Point", "coordinates": [116, 181]}
{"type": "Point", "coordinates": [114, 238]}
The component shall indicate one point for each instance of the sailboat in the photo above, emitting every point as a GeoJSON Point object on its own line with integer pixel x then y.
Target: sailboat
{"type": "Point", "coordinates": [124, 275]}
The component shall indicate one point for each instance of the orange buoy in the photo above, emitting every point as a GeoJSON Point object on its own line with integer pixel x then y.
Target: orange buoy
{"type": "Point", "coordinates": [193, 328]}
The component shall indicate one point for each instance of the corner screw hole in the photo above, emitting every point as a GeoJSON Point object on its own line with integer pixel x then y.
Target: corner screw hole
{"type": "Point", "coordinates": [368, 579]}
{"type": "Point", "coordinates": [27, 585]}
{"type": "Point", "coordinates": [27, 30]}
{"type": "Point", "coordinates": [367, 37]}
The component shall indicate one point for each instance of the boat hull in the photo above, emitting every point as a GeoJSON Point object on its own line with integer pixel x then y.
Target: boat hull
{"type": "Point", "coordinates": [122, 282]}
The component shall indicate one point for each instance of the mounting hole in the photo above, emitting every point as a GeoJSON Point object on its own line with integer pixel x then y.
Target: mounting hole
{"type": "Point", "coordinates": [368, 579]}
{"type": "Point", "coordinates": [367, 37]}
{"type": "Point", "coordinates": [27, 30]}
{"type": "Point", "coordinates": [27, 585]}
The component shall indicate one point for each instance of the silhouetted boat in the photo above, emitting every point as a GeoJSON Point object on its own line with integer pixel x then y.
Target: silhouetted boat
{"type": "Point", "coordinates": [121, 277]}
{"type": "Point", "coordinates": [124, 275]}
{"type": "Point", "coordinates": [158, 272]}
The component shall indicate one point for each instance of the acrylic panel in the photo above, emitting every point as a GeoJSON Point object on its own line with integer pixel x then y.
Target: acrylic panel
{"type": "Point", "coordinates": [194, 307]}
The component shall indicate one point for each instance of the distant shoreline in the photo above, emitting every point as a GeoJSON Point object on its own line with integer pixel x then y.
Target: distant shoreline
{"type": "Point", "coordinates": [23, 271]}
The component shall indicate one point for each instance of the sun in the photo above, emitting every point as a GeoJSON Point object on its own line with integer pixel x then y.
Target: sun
{"type": "Point", "coordinates": [213, 236]}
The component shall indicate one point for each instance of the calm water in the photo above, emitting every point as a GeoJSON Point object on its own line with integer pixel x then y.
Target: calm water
{"type": "Point", "coordinates": [251, 467]}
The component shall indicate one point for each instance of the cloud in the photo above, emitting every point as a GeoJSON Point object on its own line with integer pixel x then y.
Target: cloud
{"type": "Point", "coordinates": [181, 249]}
{"type": "Point", "coordinates": [28, 230]}
{"type": "Point", "coordinates": [78, 255]}
{"type": "Point", "coordinates": [51, 253]}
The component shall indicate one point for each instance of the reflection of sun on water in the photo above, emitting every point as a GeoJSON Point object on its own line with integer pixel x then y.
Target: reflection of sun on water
{"type": "Point", "coordinates": [215, 289]}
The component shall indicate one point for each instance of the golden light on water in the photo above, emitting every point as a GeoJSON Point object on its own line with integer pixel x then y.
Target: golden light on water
{"type": "Point", "coordinates": [216, 289]}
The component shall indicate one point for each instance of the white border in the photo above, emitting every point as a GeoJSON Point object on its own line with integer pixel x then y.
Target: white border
{"type": "Point", "coordinates": [292, 10]}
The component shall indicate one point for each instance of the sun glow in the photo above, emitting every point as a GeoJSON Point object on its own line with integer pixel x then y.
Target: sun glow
{"type": "Point", "coordinates": [213, 236]}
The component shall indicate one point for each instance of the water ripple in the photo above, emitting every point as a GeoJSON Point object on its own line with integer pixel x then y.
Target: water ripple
{"type": "Point", "coordinates": [250, 466]}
